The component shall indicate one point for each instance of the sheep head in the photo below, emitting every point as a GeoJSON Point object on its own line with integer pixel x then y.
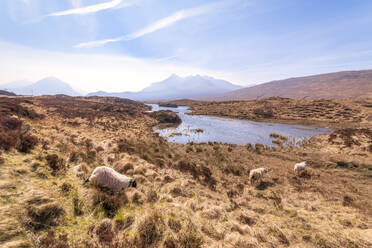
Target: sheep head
{"type": "Point", "coordinates": [133, 183]}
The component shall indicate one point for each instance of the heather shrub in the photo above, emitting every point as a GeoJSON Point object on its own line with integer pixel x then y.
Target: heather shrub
{"type": "Point", "coordinates": [109, 203]}
{"type": "Point", "coordinates": [122, 222]}
{"type": "Point", "coordinates": [8, 139]}
{"type": "Point", "coordinates": [190, 238]}
{"type": "Point", "coordinates": [12, 135]}
{"type": "Point", "coordinates": [44, 216]}
{"type": "Point", "coordinates": [27, 142]}
{"type": "Point", "coordinates": [55, 163]}
{"type": "Point", "coordinates": [103, 233]}
{"type": "Point", "coordinates": [200, 172]}
{"type": "Point", "coordinates": [51, 241]}
{"type": "Point", "coordinates": [10, 123]}
{"type": "Point", "coordinates": [150, 230]}
{"type": "Point", "coordinates": [263, 112]}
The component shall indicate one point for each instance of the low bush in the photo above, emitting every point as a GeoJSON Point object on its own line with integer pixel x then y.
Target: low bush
{"type": "Point", "coordinates": [10, 123]}
{"type": "Point", "coordinates": [150, 230]}
{"type": "Point", "coordinates": [125, 146]}
{"type": "Point", "coordinates": [199, 172]}
{"type": "Point", "coordinates": [263, 113]}
{"type": "Point", "coordinates": [56, 163]}
{"type": "Point", "coordinates": [175, 225]}
{"type": "Point", "coordinates": [65, 188]}
{"type": "Point", "coordinates": [12, 135]}
{"type": "Point", "coordinates": [152, 196]}
{"type": "Point", "coordinates": [44, 216]}
{"type": "Point", "coordinates": [110, 203]}
{"type": "Point", "coordinates": [51, 241]}
{"type": "Point", "coordinates": [27, 143]}
{"type": "Point", "coordinates": [104, 232]}
{"type": "Point", "coordinates": [190, 238]}
{"type": "Point", "coordinates": [74, 157]}
{"type": "Point", "coordinates": [8, 139]}
{"type": "Point", "coordinates": [122, 222]}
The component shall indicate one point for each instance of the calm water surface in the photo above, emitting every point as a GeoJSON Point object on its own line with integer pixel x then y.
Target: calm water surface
{"type": "Point", "coordinates": [231, 131]}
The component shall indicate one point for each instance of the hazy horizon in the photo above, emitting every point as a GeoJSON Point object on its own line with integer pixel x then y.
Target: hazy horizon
{"type": "Point", "coordinates": [125, 45]}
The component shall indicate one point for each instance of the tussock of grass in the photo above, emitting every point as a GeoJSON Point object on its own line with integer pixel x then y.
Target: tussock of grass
{"type": "Point", "coordinates": [43, 216]}
{"type": "Point", "coordinates": [108, 202]}
{"type": "Point", "coordinates": [150, 230]}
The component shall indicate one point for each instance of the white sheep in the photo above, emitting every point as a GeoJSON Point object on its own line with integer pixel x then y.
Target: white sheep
{"type": "Point", "coordinates": [107, 177]}
{"type": "Point", "coordinates": [299, 167]}
{"type": "Point", "coordinates": [257, 174]}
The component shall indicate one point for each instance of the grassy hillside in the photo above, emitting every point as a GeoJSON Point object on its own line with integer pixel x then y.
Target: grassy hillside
{"type": "Point", "coordinates": [336, 113]}
{"type": "Point", "coordinates": [194, 195]}
{"type": "Point", "coordinates": [327, 86]}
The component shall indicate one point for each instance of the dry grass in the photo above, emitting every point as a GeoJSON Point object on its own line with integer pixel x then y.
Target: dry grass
{"type": "Point", "coordinates": [194, 195]}
{"type": "Point", "coordinates": [337, 113]}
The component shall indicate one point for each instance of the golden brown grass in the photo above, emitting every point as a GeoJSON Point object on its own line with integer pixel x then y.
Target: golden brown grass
{"type": "Point", "coordinates": [194, 195]}
{"type": "Point", "coordinates": [336, 113]}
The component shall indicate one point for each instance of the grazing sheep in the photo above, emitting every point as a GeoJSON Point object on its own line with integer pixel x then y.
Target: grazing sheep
{"type": "Point", "coordinates": [300, 167]}
{"type": "Point", "coordinates": [257, 174]}
{"type": "Point", "coordinates": [107, 177]}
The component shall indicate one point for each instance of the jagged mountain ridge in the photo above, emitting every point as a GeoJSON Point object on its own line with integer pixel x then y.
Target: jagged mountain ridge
{"type": "Point", "coordinates": [175, 87]}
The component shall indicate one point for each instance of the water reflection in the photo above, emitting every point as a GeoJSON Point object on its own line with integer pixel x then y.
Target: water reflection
{"type": "Point", "coordinates": [201, 128]}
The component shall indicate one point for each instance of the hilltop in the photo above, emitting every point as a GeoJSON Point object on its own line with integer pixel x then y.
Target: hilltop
{"type": "Point", "coordinates": [343, 84]}
{"type": "Point", "coordinates": [46, 86]}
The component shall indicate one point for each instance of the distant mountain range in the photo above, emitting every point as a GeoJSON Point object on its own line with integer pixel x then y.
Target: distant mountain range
{"type": "Point", "coordinates": [175, 87]}
{"type": "Point", "coordinates": [46, 86]}
{"type": "Point", "coordinates": [343, 84]}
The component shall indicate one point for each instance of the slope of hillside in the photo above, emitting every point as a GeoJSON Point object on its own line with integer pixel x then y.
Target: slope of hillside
{"type": "Point", "coordinates": [176, 87]}
{"type": "Point", "coordinates": [332, 85]}
{"type": "Point", "coordinates": [6, 93]}
{"type": "Point", "coordinates": [46, 86]}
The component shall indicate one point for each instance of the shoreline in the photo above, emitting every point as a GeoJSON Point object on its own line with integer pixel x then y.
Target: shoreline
{"type": "Point", "coordinates": [333, 114]}
{"type": "Point", "coordinates": [319, 124]}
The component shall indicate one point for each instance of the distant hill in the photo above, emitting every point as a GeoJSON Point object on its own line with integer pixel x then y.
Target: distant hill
{"type": "Point", "coordinates": [6, 93]}
{"type": "Point", "coordinates": [175, 87]}
{"type": "Point", "coordinates": [332, 85]}
{"type": "Point", "coordinates": [46, 86]}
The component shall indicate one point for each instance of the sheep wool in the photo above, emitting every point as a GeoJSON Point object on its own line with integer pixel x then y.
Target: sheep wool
{"type": "Point", "coordinates": [107, 177]}
{"type": "Point", "coordinates": [257, 174]}
{"type": "Point", "coordinates": [300, 166]}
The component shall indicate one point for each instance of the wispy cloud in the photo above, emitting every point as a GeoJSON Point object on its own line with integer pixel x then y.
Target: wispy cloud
{"type": "Point", "coordinates": [94, 8]}
{"type": "Point", "coordinates": [160, 24]}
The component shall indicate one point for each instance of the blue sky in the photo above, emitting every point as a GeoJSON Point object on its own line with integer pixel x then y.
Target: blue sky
{"type": "Point", "coordinates": [118, 45]}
